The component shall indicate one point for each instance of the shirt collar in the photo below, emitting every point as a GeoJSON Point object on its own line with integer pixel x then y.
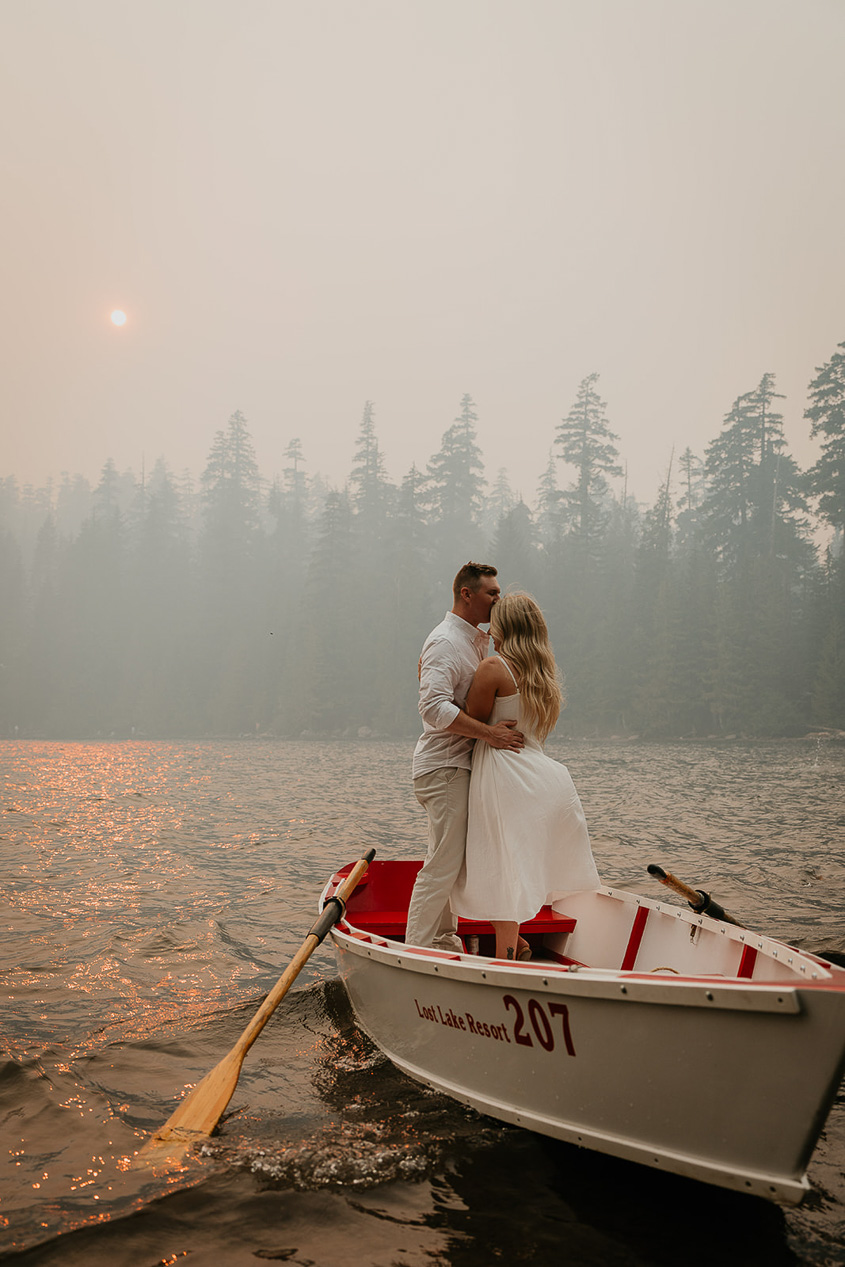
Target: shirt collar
{"type": "Point", "coordinates": [479, 638]}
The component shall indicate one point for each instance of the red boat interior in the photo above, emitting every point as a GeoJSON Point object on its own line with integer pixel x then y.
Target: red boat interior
{"type": "Point", "coordinates": [639, 938]}
{"type": "Point", "coordinates": [379, 906]}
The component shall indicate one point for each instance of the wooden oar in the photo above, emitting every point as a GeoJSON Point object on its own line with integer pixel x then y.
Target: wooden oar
{"type": "Point", "coordinates": [198, 1114]}
{"type": "Point", "coordinates": [701, 902]}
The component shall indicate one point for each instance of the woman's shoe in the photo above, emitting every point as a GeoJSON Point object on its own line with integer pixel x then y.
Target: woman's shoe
{"type": "Point", "coordinates": [523, 950]}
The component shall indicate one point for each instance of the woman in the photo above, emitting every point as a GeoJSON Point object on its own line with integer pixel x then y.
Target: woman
{"type": "Point", "coordinates": [527, 840]}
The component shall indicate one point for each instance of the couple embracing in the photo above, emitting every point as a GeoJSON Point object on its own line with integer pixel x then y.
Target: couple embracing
{"type": "Point", "coordinates": [507, 833]}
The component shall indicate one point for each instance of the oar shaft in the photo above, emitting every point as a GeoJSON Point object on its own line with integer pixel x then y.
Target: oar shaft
{"type": "Point", "coordinates": [700, 901]}
{"type": "Point", "coordinates": [672, 882]}
{"type": "Point", "coordinates": [331, 913]}
{"type": "Point", "coordinates": [276, 995]}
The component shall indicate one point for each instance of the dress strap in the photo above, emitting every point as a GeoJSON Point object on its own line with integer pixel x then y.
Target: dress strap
{"type": "Point", "coordinates": [510, 670]}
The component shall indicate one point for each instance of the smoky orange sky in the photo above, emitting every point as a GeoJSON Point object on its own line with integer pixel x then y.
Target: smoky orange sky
{"type": "Point", "coordinates": [303, 206]}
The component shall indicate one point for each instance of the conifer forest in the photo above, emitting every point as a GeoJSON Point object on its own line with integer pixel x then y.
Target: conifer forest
{"type": "Point", "coordinates": [156, 606]}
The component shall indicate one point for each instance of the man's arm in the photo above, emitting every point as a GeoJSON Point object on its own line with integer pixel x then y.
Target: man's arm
{"type": "Point", "coordinates": [502, 735]}
{"type": "Point", "coordinates": [438, 673]}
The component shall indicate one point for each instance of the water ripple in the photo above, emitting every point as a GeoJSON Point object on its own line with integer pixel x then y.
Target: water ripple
{"type": "Point", "coordinates": [154, 892]}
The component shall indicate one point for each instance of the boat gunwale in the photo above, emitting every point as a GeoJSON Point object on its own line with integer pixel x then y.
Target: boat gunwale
{"type": "Point", "coordinates": [814, 973]}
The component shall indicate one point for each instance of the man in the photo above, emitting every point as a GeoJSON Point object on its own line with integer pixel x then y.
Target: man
{"type": "Point", "coordinates": [443, 756]}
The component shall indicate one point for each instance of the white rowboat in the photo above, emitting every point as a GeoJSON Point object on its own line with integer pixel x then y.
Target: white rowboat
{"type": "Point", "coordinates": [639, 1028]}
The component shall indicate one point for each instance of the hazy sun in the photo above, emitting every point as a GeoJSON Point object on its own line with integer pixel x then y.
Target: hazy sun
{"type": "Point", "coordinates": [118, 317]}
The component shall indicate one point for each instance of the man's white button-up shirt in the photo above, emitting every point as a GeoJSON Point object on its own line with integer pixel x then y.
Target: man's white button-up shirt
{"type": "Point", "coordinates": [450, 655]}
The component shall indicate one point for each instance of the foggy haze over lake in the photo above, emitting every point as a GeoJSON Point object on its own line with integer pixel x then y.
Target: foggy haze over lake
{"type": "Point", "coordinates": [151, 607]}
{"type": "Point", "coordinates": [306, 305]}
{"type": "Point", "coordinates": [303, 207]}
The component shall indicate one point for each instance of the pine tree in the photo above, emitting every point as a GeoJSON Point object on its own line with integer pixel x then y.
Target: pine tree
{"type": "Point", "coordinates": [827, 417]}
{"type": "Point", "coordinates": [371, 608]}
{"type": "Point", "coordinates": [232, 627]}
{"type": "Point", "coordinates": [410, 603]}
{"type": "Point", "coordinates": [550, 515]}
{"type": "Point", "coordinates": [290, 504]}
{"type": "Point", "coordinates": [826, 413]}
{"type": "Point", "coordinates": [755, 503]}
{"type": "Point", "coordinates": [13, 706]}
{"type": "Point", "coordinates": [829, 687]}
{"type": "Point", "coordinates": [754, 516]}
{"type": "Point", "coordinates": [499, 501]}
{"type": "Point", "coordinates": [586, 442]}
{"type": "Point", "coordinates": [327, 696]}
{"type": "Point", "coordinates": [161, 636]}
{"type": "Point", "coordinates": [231, 497]}
{"type": "Point", "coordinates": [50, 640]}
{"type": "Point", "coordinates": [578, 614]}
{"type": "Point", "coordinates": [455, 492]}
{"type": "Point", "coordinates": [295, 482]}
{"type": "Point", "coordinates": [658, 522]}
{"type": "Point", "coordinates": [781, 496]}
{"type": "Point", "coordinates": [514, 549]}
{"type": "Point", "coordinates": [689, 502]}
{"type": "Point", "coordinates": [27, 509]}
{"type": "Point", "coordinates": [73, 504]}
{"type": "Point", "coordinates": [729, 462]}
{"type": "Point", "coordinates": [109, 498]}
{"type": "Point", "coordinates": [602, 660]}
{"type": "Point", "coordinates": [550, 528]}
{"type": "Point", "coordinates": [410, 518]}
{"type": "Point", "coordinates": [828, 675]}
{"type": "Point", "coordinates": [372, 494]}
{"type": "Point", "coordinates": [656, 627]}
{"type": "Point", "coordinates": [92, 689]}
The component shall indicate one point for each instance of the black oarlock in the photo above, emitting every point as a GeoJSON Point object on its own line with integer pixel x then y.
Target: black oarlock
{"type": "Point", "coordinates": [699, 900]}
{"type": "Point", "coordinates": [708, 907]}
{"type": "Point", "coordinates": [334, 909]}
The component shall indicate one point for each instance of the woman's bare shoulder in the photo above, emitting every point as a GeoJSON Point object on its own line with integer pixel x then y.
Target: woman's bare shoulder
{"type": "Point", "coordinates": [492, 670]}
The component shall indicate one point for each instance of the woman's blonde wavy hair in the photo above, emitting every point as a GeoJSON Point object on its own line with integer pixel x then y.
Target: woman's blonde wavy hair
{"type": "Point", "coordinates": [519, 627]}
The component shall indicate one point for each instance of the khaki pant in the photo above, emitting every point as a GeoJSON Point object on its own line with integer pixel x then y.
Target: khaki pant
{"type": "Point", "coordinates": [444, 795]}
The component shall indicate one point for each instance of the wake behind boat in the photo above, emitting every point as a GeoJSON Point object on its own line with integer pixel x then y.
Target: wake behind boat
{"type": "Point", "coordinates": [639, 1028]}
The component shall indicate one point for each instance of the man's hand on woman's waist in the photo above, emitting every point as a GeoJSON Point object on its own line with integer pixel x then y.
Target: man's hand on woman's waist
{"type": "Point", "coordinates": [503, 735]}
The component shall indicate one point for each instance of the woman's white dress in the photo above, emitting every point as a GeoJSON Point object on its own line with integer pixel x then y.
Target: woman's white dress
{"type": "Point", "coordinates": [527, 838]}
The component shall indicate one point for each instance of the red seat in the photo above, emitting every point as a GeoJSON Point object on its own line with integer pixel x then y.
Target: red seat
{"type": "Point", "coordinates": [380, 905]}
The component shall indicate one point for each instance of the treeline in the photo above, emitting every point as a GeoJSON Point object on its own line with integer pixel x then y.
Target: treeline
{"type": "Point", "coordinates": [151, 606]}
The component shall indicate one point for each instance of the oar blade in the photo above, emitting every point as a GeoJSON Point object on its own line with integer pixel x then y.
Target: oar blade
{"type": "Point", "coordinates": [198, 1114]}
{"type": "Point", "coordinates": [200, 1111]}
{"type": "Point", "coordinates": [196, 1117]}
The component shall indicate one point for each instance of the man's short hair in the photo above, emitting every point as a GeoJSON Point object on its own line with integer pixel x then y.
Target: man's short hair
{"type": "Point", "coordinates": [470, 576]}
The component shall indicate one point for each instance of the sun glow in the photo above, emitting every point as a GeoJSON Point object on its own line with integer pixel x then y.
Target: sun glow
{"type": "Point", "coordinates": [118, 317]}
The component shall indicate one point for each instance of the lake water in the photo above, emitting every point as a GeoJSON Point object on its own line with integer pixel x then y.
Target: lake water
{"type": "Point", "coordinates": [153, 892]}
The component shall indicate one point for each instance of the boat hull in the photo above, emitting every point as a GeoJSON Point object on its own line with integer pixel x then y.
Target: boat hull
{"type": "Point", "coordinates": [721, 1080]}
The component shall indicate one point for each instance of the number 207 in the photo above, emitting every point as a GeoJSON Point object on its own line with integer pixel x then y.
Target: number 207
{"type": "Point", "coordinates": [540, 1023]}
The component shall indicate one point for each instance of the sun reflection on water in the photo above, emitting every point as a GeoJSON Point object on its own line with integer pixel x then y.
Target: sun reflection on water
{"type": "Point", "coordinates": [111, 894]}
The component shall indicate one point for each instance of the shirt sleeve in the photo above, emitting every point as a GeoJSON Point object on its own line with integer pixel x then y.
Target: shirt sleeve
{"type": "Point", "coordinates": [440, 673]}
